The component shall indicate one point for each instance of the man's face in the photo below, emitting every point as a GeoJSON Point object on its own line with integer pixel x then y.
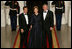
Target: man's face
{"type": "Point", "coordinates": [45, 7]}
{"type": "Point", "coordinates": [25, 10]}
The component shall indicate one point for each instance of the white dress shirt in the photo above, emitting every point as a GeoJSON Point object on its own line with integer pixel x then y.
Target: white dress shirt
{"type": "Point", "coordinates": [26, 17]}
{"type": "Point", "coordinates": [44, 14]}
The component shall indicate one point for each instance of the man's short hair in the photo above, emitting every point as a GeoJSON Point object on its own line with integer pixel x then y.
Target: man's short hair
{"type": "Point", "coordinates": [25, 7]}
{"type": "Point", "coordinates": [45, 4]}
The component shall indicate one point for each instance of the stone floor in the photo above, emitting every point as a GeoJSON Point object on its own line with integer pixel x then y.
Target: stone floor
{"type": "Point", "coordinates": [8, 37]}
{"type": "Point", "coordinates": [64, 37]}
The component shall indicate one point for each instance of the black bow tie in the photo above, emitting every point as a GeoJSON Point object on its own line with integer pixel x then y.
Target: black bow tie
{"type": "Point", "coordinates": [44, 11]}
{"type": "Point", "coordinates": [25, 14]}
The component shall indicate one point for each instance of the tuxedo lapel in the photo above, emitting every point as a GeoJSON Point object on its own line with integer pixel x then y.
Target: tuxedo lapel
{"type": "Point", "coordinates": [47, 15]}
{"type": "Point", "coordinates": [24, 18]}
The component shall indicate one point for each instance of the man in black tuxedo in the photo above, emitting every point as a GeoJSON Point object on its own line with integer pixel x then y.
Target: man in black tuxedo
{"type": "Point", "coordinates": [24, 26]}
{"type": "Point", "coordinates": [47, 24]}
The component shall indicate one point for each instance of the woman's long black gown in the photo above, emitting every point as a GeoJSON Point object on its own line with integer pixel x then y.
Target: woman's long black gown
{"type": "Point", "coordinates": [36, 32]}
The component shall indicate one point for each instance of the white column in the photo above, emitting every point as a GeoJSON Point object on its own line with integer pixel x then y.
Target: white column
{"type": "Point", "coordinates": [2, 15]}
{"type": "Point", "coordinates": [6, 11]}
{"type": "Point", "coordinates": [21, 4]}
{"type": "Point", "coordinates": [69, 20]}
{"type": "Point", "coordinates": [67, 8]}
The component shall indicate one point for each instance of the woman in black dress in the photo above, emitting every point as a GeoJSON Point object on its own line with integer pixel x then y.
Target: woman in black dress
{"type": "Point", "coordinates": [36, 33]}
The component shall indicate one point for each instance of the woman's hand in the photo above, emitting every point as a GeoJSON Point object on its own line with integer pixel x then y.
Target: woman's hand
{"type": "Point", "coordinates": [30, 27]}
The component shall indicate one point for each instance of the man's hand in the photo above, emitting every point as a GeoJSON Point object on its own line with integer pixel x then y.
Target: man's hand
{"type": "Point", "coordinates": [51, 28]}
{"type": "Point", "coordinates": [16, 9]}
{"type": "Point", "coordinates": [22, 31]}
{"type": "Point", "coordinates": [17, 14]}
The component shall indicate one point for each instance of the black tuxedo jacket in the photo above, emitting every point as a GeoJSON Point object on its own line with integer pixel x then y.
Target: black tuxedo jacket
{"type": "Point", "coordinates": [22, 23]}
{"type": "Point", "coordinates": [49, 21]}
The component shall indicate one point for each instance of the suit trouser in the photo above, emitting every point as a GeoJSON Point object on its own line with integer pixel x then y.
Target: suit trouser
{"type": "Point", "coordinates": [13, 20]}
{"type": "Point", "coordinates": [44, 41]}
{"type": "Point", "coordinates": [23, 39]}
{"type": "Point", "coordinates": [58, 21]}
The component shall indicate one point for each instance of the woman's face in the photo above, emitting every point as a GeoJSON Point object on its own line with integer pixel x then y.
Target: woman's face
{"type": "Point", "coordinates": [35, 10]}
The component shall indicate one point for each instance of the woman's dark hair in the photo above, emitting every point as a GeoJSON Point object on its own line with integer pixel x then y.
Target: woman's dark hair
{"type": "Point", "coordinates": [35, 7]}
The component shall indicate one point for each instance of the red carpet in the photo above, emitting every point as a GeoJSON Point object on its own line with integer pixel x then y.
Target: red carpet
{"type": "Point", "coordinates": [17, 45]}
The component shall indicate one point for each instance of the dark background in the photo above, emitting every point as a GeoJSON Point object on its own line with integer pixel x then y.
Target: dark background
{"type": "Point", "coordinates": [31, 4]}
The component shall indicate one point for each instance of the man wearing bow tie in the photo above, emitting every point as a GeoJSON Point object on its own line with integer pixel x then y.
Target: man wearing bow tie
{"type": "Point", "coordinates": [24, 26]}
{"type": "Point", "coordinates": [47, 25]}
